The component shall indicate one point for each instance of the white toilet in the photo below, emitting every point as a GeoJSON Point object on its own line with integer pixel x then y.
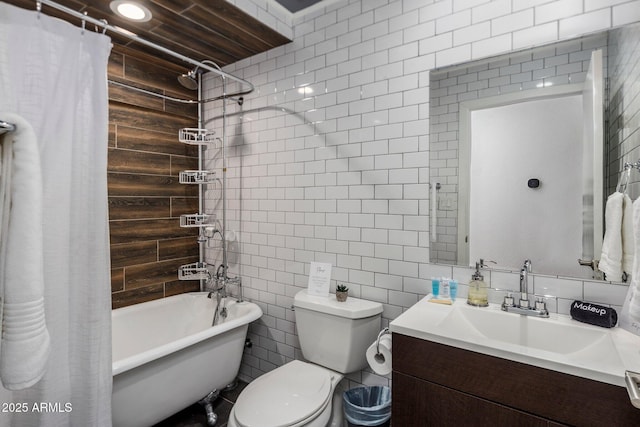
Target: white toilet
{"type": "Point", "coordinates": [334, 337]}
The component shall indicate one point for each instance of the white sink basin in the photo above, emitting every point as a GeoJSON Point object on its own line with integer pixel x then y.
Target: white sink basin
{"type": "Point", "coordinates": [558, 342]}
{"type": "Point", "coordinates": [530, 332]}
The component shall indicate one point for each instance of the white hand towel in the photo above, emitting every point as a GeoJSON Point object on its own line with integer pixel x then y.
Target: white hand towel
{"type": "Point", "coordinates": [634, 287]}
{"type": "Point", "coordinates": [25, 344]}
{"type": "Point", "coordinates": [611, 257]}
{"type": "Point", "coordinates": [628, 239]}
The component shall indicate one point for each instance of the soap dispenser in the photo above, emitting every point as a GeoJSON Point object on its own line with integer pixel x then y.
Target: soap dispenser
{"type": "Point", "coordinates": [478, 289]}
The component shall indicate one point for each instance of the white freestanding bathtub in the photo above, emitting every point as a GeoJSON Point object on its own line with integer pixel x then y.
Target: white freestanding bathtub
{"type": "Point", "coordinates": [167, 356]}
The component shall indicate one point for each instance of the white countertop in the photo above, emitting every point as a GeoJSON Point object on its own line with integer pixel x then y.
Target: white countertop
{"type": "Point", "coordinates": [558, 343]}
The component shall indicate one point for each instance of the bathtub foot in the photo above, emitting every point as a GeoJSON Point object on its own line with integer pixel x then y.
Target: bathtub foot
{"type": "Point", "coordinates": [207, 403]}
{"type": "Point", "coordinates": [231, 386]}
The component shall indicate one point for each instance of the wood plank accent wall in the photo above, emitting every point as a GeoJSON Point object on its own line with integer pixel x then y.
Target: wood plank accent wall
{"type": "Point", "coordinates": [145, 197]}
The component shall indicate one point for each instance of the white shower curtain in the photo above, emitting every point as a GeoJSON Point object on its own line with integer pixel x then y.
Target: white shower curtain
{"type": "Point", "coordinates": [54, 75]}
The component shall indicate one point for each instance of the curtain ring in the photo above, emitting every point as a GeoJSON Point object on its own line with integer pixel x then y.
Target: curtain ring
{"type": "Point", "coordinates": [39, 8]}
{"type": "Point", "coordinates": [84, 23]}
{"type": "Point", "coordinates": [105, 25]}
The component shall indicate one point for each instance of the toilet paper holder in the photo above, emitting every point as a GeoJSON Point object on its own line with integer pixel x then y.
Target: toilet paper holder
{"type": "Point", "coordinates": [379, 356]}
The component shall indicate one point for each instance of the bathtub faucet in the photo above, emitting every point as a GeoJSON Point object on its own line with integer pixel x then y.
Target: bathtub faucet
{"type": "Point", "coordinates": [216, 286]}
{"type": "Point", "coordinates": [222, 279]}
{"type": "Point", "coordinates": [238, 282]}
{"type": "Point", "coordinates": [221, 309]}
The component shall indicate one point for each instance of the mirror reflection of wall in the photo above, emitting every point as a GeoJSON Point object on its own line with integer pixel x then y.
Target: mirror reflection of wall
{"type": "Point", "coordinates": [513, 144]}
{"type": "Point", "coordinates": [623, 126]}
{"type": "Point", "coordinates": [562, 63]}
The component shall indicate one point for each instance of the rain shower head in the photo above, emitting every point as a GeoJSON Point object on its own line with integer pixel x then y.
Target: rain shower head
{"type": "Point", "coordinates": [189, 80]}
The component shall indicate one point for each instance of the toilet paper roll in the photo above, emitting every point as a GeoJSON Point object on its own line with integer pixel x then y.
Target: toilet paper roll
{"type": "Point", "coordinates": [380, 362]}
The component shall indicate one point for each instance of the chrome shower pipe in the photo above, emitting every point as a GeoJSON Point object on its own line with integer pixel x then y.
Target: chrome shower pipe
{"type": "Point", "coordinates": [223, 233]}
{"type": "Point", "coordinates": [200, 189]}
{"type": "Point", "coordinates": [224, 177]}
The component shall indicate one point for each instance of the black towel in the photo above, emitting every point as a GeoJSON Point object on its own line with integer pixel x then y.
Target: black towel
{"type": "Point", "coordinates": [594, 314]}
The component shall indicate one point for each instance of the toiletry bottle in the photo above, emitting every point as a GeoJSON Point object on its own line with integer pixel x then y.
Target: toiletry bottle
{"type": "Point", "coordinates": [453, 289]}
{"type": "Point", "coordinates": [478, 289]}
{"type": "Point", "coordinates": [444, 288]}
{"type": "Point", "coordinates": [435, 287]}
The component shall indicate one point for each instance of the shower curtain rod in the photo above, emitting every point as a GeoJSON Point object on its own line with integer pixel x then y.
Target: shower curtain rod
{"type": "Point", "coordinates": [106, 27]}
{"type": "Point", "coordinates": [180, 100]}
{"type": "Point", "coordinates": [6, 127]}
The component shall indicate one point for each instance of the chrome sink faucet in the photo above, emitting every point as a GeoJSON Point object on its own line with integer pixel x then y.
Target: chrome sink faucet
{"type": "Point", "coordinates": [524, 307]}
{"type": "Point", "coordinates": [524, 283]}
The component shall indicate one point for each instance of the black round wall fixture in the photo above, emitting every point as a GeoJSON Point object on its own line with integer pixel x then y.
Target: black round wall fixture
{"type": "Point", "coordinates": [533, 183]}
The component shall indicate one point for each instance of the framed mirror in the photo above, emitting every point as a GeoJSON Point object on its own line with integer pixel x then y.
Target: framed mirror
{"type": "Point", "coordinates": [525, 153]}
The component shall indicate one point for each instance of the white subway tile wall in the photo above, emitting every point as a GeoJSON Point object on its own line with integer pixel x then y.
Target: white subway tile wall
{"type": "Point", "coordinates": [269, 13]}
{"type": "Point", "coordinates": [328, 159]}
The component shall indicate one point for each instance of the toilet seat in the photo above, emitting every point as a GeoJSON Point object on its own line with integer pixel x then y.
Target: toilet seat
{"type": "Point", "coordinates": [286, 396]}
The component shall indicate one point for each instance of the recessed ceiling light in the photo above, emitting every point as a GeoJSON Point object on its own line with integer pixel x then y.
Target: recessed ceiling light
{"type": "Point", "coordinates": [131, 10]}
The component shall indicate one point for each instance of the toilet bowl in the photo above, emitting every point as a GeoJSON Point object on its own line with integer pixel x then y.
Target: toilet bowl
{"type": "Point", "coordinates": [295, 394]}
{"type": "Point", "coordinates": [333, 338]}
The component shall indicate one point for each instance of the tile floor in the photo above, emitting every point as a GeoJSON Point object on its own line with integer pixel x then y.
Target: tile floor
{"type": "Point", "coordinates": [195, 416]}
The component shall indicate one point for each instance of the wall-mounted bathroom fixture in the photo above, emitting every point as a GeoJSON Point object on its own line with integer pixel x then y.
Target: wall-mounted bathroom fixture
{"type": "Point", "coordinates": [625, 175]}
{"type": "Point", "coordinates": [189, 79]}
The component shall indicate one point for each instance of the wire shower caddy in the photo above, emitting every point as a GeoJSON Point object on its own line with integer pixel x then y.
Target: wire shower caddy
{"type": "Point", "coordinates": [207, 223]}
{"type": "Point", "coordinates": [197, 136]}
{"type": "Point", "coordinates": [197, 177]}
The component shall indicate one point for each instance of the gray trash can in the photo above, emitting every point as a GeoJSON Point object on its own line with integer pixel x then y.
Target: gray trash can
{"type": "Point", "coordinates": [367, 406]}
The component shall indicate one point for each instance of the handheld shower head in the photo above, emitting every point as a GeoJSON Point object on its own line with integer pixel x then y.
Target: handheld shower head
{"type": "Point", "coordinates": [189, 80]}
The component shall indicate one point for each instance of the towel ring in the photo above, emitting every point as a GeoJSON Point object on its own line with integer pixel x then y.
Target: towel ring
{"type": "Point", "coordinates": [624, 179]}
{"type": "Point", "coordinates": [625, 176]}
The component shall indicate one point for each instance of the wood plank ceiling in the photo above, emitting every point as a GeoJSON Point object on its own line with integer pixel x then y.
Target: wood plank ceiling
{"type": "Point", "coordinates": [199, 29]}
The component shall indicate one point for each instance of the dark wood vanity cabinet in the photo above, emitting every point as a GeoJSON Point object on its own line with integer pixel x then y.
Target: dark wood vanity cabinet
{"type": "Point", "coordinates": [440, 385]}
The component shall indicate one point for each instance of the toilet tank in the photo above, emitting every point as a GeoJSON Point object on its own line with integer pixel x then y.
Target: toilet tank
{"type": "Point", "coordinates": [336, 334]}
